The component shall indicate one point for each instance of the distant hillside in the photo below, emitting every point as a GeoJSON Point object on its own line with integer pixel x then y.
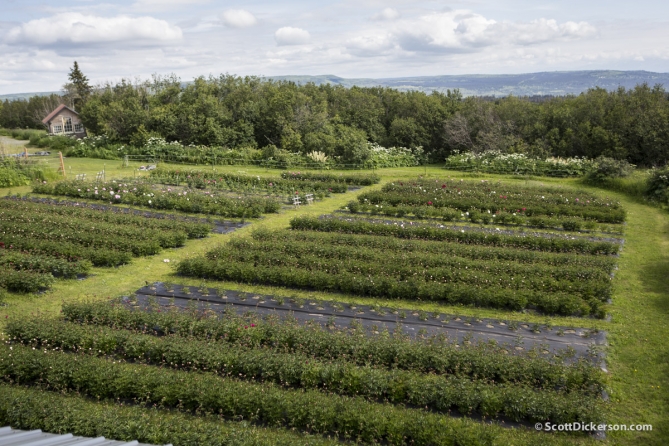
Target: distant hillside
{"type": "Point", "coordinates": [555, 83]}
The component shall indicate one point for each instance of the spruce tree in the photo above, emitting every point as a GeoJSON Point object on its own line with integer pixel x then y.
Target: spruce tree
{"type": "Point", "coordinates": [78, 87]}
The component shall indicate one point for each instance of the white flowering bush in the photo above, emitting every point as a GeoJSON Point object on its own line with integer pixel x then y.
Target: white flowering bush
{"type": "Point", "coordinates": [518, 163]}
{"type": "Point", "coordinates": [393, 156]}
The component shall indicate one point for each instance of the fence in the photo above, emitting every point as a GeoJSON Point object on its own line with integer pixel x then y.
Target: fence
{"type": "Point", "coordinates": [267, 164]}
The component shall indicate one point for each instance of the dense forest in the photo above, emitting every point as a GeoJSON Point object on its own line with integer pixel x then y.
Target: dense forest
{"type": "Point", "coordinates": [237, 112]}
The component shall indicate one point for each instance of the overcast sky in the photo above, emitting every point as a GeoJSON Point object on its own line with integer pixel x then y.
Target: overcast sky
{"type": "Point", "coordinates": [39, 40]}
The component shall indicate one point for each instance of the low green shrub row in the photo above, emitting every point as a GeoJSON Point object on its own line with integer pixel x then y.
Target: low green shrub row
{"type": "Point", "coordinates": [43, 264]}
{"type": "Point", "coordinates": [306, 410]}
{"type": "Point", "coordinates": [479, 362]}
{"type": "Point", "coordinates": [69, 251]}
{"type": "Point", "coordinates": [247, 183]}
{"type": "Point", "coordinates": [491, 254]}
{"type": "Point", "coordinates": [47, 230]}
{"type": "Point", "coordinates": [11, 230]}
{"type": "Point", "coordinates": [351, 179]}
{"type": "Point", "coordinates": [416, 267]}
{"type": "Point", "coordinates": [525, 202]}
{"type": "Point", "coordinates": [142, 194]}
{"type": "Point", "coordinates": [171, 238]}
{"type": "Point", "coordinates": [472, 216]}
{"type": "Point", "coordinates": [33, 408]}
{"type": "Point", "coordinates": [24, 281]}
{"type": "Point", "coordinates": [439, 393]}
{"type": "Point", "coordinates": [114, 216]}
{"type": "Point", "coordinates": [425, 232]}
{"type": "Point", "coordinates": [478, 294]}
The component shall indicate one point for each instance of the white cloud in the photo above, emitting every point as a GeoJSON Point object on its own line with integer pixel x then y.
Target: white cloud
{"type": "Point", "coordinates": [73, 28]}
{"type": "Point", "coordinates": [386, 14]}
{"type": "Point", "coordinates": [374, 45]}
{"type": "Point", "coordinates": [291, 36]}
{"type": "Point", "coordinates": [238, 18]}
{"type": "Point", "coordinates": [464, 31]}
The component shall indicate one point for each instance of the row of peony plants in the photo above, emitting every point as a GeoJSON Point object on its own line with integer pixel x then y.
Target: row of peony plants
{"type": "Point", "coordinates": [415, 267]}
{"type": "Point", "coordinates": [42, 229]}
{"type": "Point", "coordinates": [438, 393]}
{"type": "Point", "coordinates": [444, 249]}
{"type": "Point", "coordinates": [143, 194]}
{"type": "Point", "coordinates": [264, 403]}
{"type": "Point", "coordinates": [289, 183]}
{"type": "Point", "coordinates": [113, 215]}
{"type": "Point", "coordinates": [475, 216]}
{"type": "Point", "coordinates": [483, 294]}
{"type": "Point", "coordinates": [494, 199]}
{"type": "Point", "coordinates": [32, 408]}
{"type": "Point", "coordinates": [486, 362]}
{"type": "Point", "coordinates": [431, 232]}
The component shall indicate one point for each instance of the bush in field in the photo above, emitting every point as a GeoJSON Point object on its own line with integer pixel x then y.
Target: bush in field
{"type": "Point", "coordinates": [605, 168]}
{"type": "Point", "coordinates": [658, 185]}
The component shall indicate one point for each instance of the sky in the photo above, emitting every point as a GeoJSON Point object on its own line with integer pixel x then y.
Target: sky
{"type": "Point", "coordinates": [133, 39]}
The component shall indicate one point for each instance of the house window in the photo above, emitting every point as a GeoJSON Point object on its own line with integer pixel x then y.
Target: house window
{"type": "Point", "coordinates": [78, 128]}
{"type": "Point", "coordinates": [58, 129]}
{"type": "Point", "coordinates": [68, 125]}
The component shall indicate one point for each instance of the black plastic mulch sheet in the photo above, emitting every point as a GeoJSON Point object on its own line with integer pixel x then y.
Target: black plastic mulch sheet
{"type": "Point", "coordinates": [518, 336]}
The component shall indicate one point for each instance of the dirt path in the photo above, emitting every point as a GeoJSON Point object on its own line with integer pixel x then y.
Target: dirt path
{"type": "Point", "coordinates": [7, 141]}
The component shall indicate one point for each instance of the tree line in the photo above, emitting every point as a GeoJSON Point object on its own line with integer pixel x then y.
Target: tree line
{"type": "Point", "coordinates": [232, 111]}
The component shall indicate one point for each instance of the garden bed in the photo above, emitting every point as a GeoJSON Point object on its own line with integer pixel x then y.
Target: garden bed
{"type": "Point", "coordinates": [516, 336]}
{"type": "Point", "coordinates": [219, 226]}
{"type": "Point", "coordinates": [40, 242]}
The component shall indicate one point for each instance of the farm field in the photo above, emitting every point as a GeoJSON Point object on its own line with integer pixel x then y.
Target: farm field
{"type": "Point", "coordinates": [548, 268]}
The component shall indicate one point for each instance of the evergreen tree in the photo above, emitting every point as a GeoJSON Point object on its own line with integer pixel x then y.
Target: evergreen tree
{"type": "Point", "coordinates": [78, 88]}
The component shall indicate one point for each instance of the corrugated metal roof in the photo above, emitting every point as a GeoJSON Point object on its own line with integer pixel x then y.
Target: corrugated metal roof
{"type": "Point", "coordinates": [15, 437]}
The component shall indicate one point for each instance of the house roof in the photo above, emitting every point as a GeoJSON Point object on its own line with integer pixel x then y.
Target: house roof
{"type": "Point", "coordinates": [15, 437]}
{"type": "Point", "coordinates": [57, 110]}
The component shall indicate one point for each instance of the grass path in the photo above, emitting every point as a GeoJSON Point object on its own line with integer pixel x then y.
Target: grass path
{"type": "Point", "coordinates": [638, 356]}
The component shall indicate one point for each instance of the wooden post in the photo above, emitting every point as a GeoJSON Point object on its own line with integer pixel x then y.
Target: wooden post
{"type": "Point", "coordinates": [62, 164]}
{"type": "Point", "coordinates": [25, 152]}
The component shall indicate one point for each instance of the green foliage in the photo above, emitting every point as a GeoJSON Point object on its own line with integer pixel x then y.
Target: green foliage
{"type": "Point", "coordinates": [299, 371]}
{"type": "Point", "coordinates": [19, 172]}
{"type": "Point", "coordinates": [605, 168]}
{"type": "Point", "coordinates": [486, 362]}
{"type": "Point", "coordinates": [70, 233]}
{"type": "Point", "coordinates": [24, 281]}
{"type": "Point", "coordinates": [273, 259]}
{"type": "Point", "coordinates": [138, 193]}
{"type": "Point", "coordinates": [229, 398]}
{"type": "Point", "coordinates": [426, 232]}
{"type": "Point", "coordinates": [517, 164]}
{"type": "Point", "coordinates": [235, 115]}
{"type": "Point", "coordinates": [494, 198]}
{"type": "Point", "coordinates": [33, 408]}
{"type": "Point", "coordinates": [657, 185]}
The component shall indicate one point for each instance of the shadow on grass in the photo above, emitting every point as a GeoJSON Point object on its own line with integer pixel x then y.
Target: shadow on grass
{"type": "Point", "coordinates": [655, 279]}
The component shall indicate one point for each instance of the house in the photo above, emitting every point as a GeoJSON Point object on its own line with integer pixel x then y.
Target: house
{"type": "Point", "coordinates": [64, 121]}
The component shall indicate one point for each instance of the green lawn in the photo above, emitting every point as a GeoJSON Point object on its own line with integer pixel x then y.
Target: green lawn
{"type": "Point", "coordinates": [638, 355]}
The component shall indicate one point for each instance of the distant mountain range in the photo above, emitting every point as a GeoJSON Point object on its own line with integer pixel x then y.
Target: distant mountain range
{"type": "Point", "coordinates": [554, 83]}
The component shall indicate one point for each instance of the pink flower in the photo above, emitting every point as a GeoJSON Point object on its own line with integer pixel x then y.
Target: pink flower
{"type": "Point", "coordinates": [429, 203]}
{"type": "Point", "coordinates": [96, 192]}
{"type": "Point", "coordinates": [117, 196]}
